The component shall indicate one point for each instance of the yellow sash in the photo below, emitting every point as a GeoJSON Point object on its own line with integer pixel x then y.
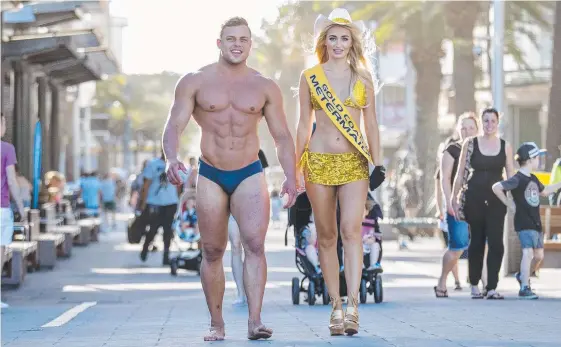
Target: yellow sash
{"type": "Point", "coordinates": [335, 109]}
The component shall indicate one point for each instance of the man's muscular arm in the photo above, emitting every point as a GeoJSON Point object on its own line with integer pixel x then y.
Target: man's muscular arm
{"type": "Point", "coordinates": [179, 115]}
{"type": "Point", "coordinates": [278, 127]}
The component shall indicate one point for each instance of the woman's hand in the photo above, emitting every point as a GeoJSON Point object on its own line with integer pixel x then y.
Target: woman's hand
{"type": "Point", "coordinates": [453, 208]}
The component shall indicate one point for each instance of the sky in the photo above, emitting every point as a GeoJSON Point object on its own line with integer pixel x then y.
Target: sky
{"type": "Point", "coordinates": [180, 35]}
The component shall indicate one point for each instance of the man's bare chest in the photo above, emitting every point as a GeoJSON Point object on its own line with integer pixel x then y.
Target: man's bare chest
{"type": "Point", "coordinates": [219, 95]}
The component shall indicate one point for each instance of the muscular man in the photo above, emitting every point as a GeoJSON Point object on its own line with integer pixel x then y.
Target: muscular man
{"type": "Point", "coordinates": [228, 100]}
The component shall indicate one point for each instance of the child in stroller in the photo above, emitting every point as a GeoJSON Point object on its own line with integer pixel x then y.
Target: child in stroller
{"type": "Point", "coordinates": [188, 221]}
{"type": "Point", "coordinates": [301, 218]}
{"type": "Point", "coordinates": [371, 282]}
{"type": "Point", "coordinates": [186, 228]}
{"type": "Point", "coordinates": [371, 236]}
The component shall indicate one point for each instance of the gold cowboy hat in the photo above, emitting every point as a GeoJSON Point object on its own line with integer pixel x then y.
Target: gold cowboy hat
{"type": "Point", "coordinates": [337, 16]}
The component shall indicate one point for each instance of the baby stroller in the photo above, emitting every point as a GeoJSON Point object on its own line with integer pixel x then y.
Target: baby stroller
{"type": "Point", "coordinates": [299, 217]}
{"type": "Point", "coordinates": [189, 258]}
{"type": "Point", "coordinates": [371, 282]}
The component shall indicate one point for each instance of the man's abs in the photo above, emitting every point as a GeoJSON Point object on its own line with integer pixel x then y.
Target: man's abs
{"type": "Point", "coordinates": [229, 153]}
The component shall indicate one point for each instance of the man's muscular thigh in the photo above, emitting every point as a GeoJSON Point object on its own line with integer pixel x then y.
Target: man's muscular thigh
{"type": "Point", "coordinates": [212, 213]}
{"type": "Point", "coordinates": [250, 206]}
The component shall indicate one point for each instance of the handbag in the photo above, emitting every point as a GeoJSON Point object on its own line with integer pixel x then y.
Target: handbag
{"type": "Point", "coordinates": [466, 173]}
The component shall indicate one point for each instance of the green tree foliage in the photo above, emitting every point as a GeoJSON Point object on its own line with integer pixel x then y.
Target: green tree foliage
{"type": "Point", "coordinates": [146, 99]}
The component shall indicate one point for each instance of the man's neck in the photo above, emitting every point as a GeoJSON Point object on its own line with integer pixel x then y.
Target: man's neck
{"type": "Point", "coordinates": [234, 69]}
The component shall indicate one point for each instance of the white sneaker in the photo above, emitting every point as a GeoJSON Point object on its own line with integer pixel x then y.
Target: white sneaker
{"type": "Point", "coordinates": [240, 302]}
{"type": "Point", "coordinates": [3, 305]}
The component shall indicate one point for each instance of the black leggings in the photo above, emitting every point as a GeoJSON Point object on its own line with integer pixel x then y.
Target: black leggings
{"type": "Point", "coordinates": [160, 216]}
{"type": "Point", "coordinates": [486, 222]}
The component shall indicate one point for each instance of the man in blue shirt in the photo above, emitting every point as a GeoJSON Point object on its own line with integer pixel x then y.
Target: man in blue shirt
{"type": "Point", "coordinates": [159, 202]}
{"type": "Point", "coordinates": [91, 192]}
{"type": "Point", "coordinates": [108, 189]}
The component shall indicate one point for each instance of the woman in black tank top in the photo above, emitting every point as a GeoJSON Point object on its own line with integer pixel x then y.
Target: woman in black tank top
{"type": "Point", "coordinates": [483, 211]}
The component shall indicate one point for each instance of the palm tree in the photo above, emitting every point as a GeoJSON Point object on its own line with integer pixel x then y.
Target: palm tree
{"type": "Point", "coordinates": [554, 117]}
{"type": "Point", "coordinates": [462, 18]}
{"type": "Point", "coordinates": [422, 27]}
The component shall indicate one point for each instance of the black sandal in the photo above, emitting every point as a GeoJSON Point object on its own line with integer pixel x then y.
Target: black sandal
{"type": "Point", "coordinates": [477, 295]}
{"type": "Point", "coordinates": [495, 296]}
{"type": "Point", "coordinates": [440, 293]}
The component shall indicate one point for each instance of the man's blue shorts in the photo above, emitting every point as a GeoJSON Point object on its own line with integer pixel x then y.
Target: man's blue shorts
{"type": "Point", "coordinates": [458, 233]}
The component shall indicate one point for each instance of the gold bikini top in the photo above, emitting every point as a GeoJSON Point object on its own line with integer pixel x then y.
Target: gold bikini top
{"type": "Point", "coordinates": [359, 92]}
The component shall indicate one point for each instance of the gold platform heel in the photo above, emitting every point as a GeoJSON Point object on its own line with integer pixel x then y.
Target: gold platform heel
{"type": "Point", "coordinates": [336, 326]}
{"type": "Point", "coordinates": [351, 317]}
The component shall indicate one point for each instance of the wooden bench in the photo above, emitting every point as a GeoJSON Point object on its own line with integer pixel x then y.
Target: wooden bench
{"type": "Point", "coordinates": [71, 234]}
{"type": "Point", "coordinates": [551, 221]}
{"type": "Point", "coordinates": [7, 265]}
{"type": "Point", "coordinates": [50, 247]}
{"type": "Point", "coordinates": [22, 232]}
{"type": "Point", "coordinates": [24, 257]}
{"type": "Point", "coordinates": [90, 228]}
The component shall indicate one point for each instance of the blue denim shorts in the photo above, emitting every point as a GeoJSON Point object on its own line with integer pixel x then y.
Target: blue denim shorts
{"type": "Point", "coordinates": [531, 239]}
{"type": "Point", "coordinates": [458, 233]}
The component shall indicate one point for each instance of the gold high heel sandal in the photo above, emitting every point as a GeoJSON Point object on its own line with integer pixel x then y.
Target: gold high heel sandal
{"type": "Point", "coordinates": [351, 317]}
{"type": "Point", "coordinates": [336, 326]}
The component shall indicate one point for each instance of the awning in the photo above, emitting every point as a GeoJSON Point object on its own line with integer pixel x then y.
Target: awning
{"type": "Point", "coordinates": [48, 13]}
{"type": "Point", "coordinates": [106, 61]}
{"type": "Point", "coordinates": [75, 72]}
{"type": "Point", "coordinates": [49, 49]}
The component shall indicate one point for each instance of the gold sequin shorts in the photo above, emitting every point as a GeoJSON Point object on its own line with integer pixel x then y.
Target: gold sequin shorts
{"type": "Point", "coordinates": [334, 169]}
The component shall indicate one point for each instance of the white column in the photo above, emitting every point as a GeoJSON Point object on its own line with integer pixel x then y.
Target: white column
{"type": "Point", "coordinates": [410, 78]}
{"type": "Point", "coordinates": [76, 137]}
{"type": "Point", "coordinates": [87, 136]}
{"type": "Point", "coordinates": [498, 55]}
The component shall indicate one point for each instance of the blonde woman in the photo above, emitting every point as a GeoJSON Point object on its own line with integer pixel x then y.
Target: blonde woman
{"type": "Point", "coordinates": [458, 238]}
{"type": "Point", "coordinates": [337, 93]}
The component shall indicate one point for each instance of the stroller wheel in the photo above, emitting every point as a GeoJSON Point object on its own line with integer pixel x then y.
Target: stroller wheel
{"type": "Point", "coordinates": [173, 266]}
{"type": "Point", "coordinates": [311, 293]}
{"type": "Point", "coordinates": [295, 291]}
{"type": "Point", "coordinates": [363, 291]}
{"type": "Point", "coordinates": [325, 294]}
{"type": "Point", "coordinates": [378, 290]}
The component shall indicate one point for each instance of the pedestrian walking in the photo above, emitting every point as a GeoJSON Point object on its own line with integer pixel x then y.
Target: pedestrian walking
{"type": "Point", "coordinates": [482, 161]}
{"type": "Point", "coordinates": [526, 190]}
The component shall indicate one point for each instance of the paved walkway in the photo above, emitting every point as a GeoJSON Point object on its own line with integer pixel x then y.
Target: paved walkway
{"type": "Point", "coordinates": [104, 296]}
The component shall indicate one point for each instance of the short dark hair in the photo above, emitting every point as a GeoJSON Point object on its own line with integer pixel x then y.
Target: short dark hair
{"type": "Point", "coordinates": [490, 110]}
{"type": "Point", "coordinates": [234, 22]}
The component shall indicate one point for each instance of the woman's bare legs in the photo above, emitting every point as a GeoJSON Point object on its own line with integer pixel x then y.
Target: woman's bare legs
{"type": "Point", "coordinates": [352, 197]}
{"type": "Point", "coordinates": [324, 204]}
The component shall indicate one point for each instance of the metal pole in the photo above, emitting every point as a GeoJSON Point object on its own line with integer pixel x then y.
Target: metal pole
{"type": "Point", "coordinates": [498, 100]}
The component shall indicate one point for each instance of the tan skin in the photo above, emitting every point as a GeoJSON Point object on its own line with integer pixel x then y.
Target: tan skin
{"type": "Point", "coordinates": [228, 100]}
{"type": "Point", "coordinates": [467, 128]}
{"type": "Point", "coordinates": [328, 139]}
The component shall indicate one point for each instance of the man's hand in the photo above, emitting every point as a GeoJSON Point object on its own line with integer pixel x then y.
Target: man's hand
{"type": "Point", "coordinates": [300, 183]}
{"type": "Point", "coordinates": [377, 177]}
{"type": "Point", "coordinates": [289, 187]}
{"type": "Point", "coordinates": [173, 168]}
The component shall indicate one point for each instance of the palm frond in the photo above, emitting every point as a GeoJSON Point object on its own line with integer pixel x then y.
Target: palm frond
{"type": "Point", "coordinates": [532, 11]}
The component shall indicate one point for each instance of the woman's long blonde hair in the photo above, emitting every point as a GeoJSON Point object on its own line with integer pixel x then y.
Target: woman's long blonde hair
{"type": "Point", "coordinates": [358, 56]}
